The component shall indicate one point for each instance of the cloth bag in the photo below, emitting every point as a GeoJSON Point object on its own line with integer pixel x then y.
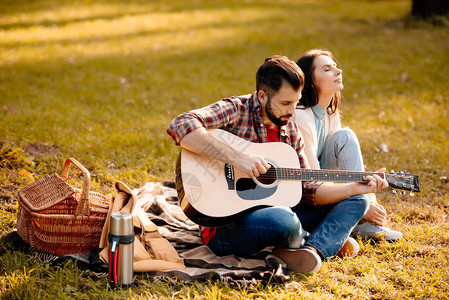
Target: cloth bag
{"type": "Point", "coordinates": [152, 252]}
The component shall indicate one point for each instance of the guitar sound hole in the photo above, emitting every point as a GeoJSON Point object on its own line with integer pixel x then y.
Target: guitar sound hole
{"type": "Point", "coordinates": [269, 177]}
{"type": "Point", "coordinates": [245, 184]}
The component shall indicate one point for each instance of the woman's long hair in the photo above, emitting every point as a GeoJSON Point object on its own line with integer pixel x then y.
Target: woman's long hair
{"type": "Point", "coordinates": [309, 93]}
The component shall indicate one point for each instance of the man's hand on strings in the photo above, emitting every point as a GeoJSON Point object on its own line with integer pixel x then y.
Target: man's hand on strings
{"type": "Point", "coordinates": [252, 165]}
{"type": "Point", "coordinates": [374, 185]}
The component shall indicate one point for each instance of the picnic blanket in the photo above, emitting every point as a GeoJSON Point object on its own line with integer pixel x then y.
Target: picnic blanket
{"type": "Point", "coordinates": [159, 201]}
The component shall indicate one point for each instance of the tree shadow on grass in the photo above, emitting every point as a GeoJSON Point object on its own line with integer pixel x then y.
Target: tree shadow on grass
{"type": "Point", "coordinates": [128, 9]}
{"type": "Point", "coordinates": [247, 23]}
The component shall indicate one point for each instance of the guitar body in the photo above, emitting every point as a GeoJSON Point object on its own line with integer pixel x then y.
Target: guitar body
{"type": "Point", "coordinates": [212, 193]}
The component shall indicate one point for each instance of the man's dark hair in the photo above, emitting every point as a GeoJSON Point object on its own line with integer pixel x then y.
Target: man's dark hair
{"type": "Point", "coordinates": [275, 70]}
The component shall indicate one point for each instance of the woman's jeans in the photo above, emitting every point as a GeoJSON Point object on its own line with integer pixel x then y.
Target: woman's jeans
{"type": "Point", "coordinates": [341, 151]}
{"type": "Point", "coordinates": [329, 225]}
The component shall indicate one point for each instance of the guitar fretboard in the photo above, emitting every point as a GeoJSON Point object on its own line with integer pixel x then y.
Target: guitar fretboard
{"type": "Point", "coordinates": [322, 175]}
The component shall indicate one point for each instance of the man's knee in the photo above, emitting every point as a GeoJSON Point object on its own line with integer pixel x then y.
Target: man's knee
{"type": "Point", "coordinates": [356, 205]}
{"type": "Point", "coordinates": [362, 205]}
{"type": "Point", "coordinates": [285, 221]}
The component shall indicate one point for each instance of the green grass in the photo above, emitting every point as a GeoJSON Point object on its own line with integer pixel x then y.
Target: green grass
{"type": "Point", "coordinates": [101, 80]}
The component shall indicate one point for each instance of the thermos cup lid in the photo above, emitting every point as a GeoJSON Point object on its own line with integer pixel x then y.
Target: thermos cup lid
{"type": "Point", "coordinates": [121, 223]}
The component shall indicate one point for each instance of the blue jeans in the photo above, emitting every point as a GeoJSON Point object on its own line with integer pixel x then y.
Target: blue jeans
{"type": "Point", "coordinates": [329, 225]}
{"type": "Point", "coordinates": [341, 151]}
{"type": "Point", "coordinates": [252, 232]}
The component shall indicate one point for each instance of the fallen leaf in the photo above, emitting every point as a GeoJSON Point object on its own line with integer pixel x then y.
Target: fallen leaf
{"type": "Point", "coordinates": [384, 147]}
{"type": "Point", "coordinates": [405, 77]}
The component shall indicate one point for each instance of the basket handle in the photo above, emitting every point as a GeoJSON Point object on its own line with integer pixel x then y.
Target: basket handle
{"type": "Point", "coordinates": [83, 207]}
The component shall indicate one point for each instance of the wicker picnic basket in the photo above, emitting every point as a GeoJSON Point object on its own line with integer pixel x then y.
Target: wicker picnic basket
{"type": "Point", "coordinates": [59, 219]}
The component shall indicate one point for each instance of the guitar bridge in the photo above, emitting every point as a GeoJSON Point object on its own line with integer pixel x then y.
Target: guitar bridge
{"type": "Point", "coordinates": [229, 175]}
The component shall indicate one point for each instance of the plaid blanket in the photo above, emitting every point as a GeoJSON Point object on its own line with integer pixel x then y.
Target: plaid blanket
{"type": "Point", "coordinates": [159, 201]}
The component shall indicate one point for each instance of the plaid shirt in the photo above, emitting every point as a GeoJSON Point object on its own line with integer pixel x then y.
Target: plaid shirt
{"type": "Point", "coordinates": [242, 117]}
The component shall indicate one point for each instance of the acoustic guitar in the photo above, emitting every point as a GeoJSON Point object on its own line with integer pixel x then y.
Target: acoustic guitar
{"type": "Point", "coordinates": [212, 193]}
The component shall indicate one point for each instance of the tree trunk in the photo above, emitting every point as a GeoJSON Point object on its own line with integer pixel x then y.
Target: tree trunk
{"type": "Point", "coordinates": [428, 8]}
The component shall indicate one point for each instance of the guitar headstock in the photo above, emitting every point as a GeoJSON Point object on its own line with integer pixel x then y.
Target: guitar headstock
{"type": "Point", "coordinates": [403, 181]}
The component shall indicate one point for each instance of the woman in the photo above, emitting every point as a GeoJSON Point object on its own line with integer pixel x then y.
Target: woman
{"type": "Point", "coordinates": [327, 144]}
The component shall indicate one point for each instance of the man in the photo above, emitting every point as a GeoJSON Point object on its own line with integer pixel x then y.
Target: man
{"type": "Point", "coordinates": [265, 116]}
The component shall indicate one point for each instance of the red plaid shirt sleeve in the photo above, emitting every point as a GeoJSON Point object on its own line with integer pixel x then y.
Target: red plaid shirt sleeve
{"type": "Point", "coordinates": [217, 115]}
{"type": "Point", "coordinates": [309, 192]}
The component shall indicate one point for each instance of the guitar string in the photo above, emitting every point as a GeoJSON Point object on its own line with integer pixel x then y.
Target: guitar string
{"type": "Point", "coordinates": [273, 173]}
{"type": "Point", "coordinates": [317, 172]}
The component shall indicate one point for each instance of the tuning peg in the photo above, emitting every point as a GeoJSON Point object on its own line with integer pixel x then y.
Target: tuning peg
{"type": "Point", "coordinates": [412, 194]}
{"type": "Point", "coordinates": [395, 192]}
{"type": "Point", "coordinates": [401, 172]}
{"type": "Point", "coordinates": [403, 192]}
{"type": "Point", "coordinates": [392, 171]}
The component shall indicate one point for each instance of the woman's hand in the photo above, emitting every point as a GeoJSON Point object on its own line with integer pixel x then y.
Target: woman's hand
{"type": "Point", "coordinates": [376, 214]}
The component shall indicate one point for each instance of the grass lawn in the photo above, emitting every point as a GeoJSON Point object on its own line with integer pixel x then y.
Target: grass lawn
{"type": "Point", "coordinates": [100, 81]}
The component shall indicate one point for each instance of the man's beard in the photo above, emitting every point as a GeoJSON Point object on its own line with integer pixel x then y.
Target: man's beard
{"type": "Point", "coordinates": [272, 117]}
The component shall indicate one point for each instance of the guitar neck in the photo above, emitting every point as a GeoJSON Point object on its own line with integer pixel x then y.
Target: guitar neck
{"type": "Point", "coordinates": [322, 175]}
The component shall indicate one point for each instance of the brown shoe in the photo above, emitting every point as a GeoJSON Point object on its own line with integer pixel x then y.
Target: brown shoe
{"type": "Point", "coordinates": [349, 249]}
{"type": "Point", "coordinates": [300, 260]}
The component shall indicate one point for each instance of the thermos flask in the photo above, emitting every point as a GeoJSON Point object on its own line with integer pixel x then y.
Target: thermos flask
{"type": "Point", "coordinates": [121, 250]}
